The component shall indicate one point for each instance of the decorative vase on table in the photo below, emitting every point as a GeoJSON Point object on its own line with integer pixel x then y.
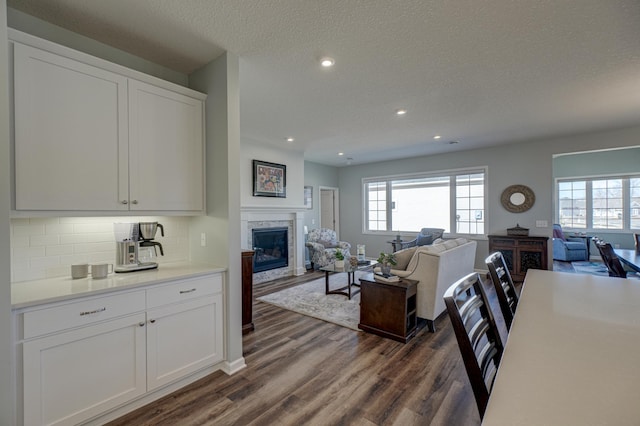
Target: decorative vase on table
{"type": "Point", "coordinates": [339, 263]}
{"type": "Point", "coordinates": [386, 260]}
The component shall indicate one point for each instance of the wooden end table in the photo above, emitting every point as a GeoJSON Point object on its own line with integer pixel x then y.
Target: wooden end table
{"type": "Point", "coordinates": [388, 309]}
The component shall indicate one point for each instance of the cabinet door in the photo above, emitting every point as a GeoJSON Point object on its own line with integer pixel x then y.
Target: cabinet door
{"type": "Point", "coordinates": [166, 150]}
{"type": "Point", "coordinates": [183, 338]}
{"type": "Point", "coordinates": [72, 376]}
{"type": "Point", "coordinates": [70, 134]}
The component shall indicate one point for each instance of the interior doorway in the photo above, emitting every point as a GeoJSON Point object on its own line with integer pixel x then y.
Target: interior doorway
{"type": "Point", "coordinates": [330, 209]}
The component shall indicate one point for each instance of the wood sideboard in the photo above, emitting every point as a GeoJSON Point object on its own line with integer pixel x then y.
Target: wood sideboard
{"type": "Point", "coordinates": [520, 253]}
{"type": "Point", "coordinates": [247, 291]}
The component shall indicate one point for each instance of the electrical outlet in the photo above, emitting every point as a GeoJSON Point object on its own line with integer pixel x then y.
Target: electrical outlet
{"type": "Point", "coordinates": [542, 224]}
{"type": "Point", "coordinates": [203, 240]}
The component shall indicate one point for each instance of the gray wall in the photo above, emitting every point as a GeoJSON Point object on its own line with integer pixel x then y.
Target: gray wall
{"type": "Point", "coordinates": [317, 175]}
{"type": "Point", "coordinates": [7, 363]}
{"type": "Point", "coordinates": [614, 162]}
{"type": "Point", "coordinates": [220, 79]}
{"type": "Point", "coordinates": [528, 163]}
{"type": "Point", "coordinates": [617, 161]}
{"type": "Point", "coordinates": [37, 27]}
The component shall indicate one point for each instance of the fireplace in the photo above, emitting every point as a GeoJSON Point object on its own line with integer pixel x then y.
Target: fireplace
{"type": "Point", "coordinates": [271, 246]}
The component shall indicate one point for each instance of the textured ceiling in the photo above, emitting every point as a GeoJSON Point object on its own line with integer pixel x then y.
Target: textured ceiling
{"type": "Point", "coordinates": [478, 72]}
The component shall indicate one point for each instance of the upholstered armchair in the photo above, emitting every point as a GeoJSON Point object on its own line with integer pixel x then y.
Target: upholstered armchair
{"type": "Point", "coordinates": [568, 249]}
{"type": "Point", "coordinates": [323, 244]}
{"type": "Point", "coordinates": [425, 237]}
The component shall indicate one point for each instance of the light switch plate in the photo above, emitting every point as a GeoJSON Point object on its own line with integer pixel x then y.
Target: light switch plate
{"type": "Point", "coordinates": [542, 224]}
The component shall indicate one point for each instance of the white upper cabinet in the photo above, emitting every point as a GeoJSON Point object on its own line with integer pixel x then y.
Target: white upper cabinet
{"type": "Point", "coordinates": [166, 158]}
{"type": "Point", "coordinates": [70, 133]}
{"type": "Point", "coordinates": [91, 139]}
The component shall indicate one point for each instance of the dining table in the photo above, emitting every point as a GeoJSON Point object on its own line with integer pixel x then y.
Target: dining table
{"type": "Point", "coordinates": [572, 355]}
{"type": "Point", "coordinates": [630, 257]}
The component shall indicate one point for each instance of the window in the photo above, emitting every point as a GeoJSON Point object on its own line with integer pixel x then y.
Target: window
{"type": "Point", "coordinates": [572, 202]}
{"type": "Point", "coordinates": [599, 203]}
{"type": "Point", "coordinates": [607, 203]}
{"type": "Point", "coordinates": [412, 202]}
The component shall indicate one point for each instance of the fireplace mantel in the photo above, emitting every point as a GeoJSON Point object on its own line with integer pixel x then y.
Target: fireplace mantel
{"type": "Point", "coordinates": [274, 214]}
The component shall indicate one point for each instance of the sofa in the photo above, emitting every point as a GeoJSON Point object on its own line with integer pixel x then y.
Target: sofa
{"type": "Point", "coordinates": [435, 267]}
{"type": "Point", "coordinates": [322, 244]}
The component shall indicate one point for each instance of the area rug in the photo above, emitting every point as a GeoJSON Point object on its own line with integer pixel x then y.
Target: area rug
{"type": "Point", "coordinates": [593, 268]}
{"type": "Point", "coordinates": [309, 299]}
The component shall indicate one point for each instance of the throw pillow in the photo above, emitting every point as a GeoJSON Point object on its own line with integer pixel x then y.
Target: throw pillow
{"type": "Point", "coordinates": [461, 241]}
{"type": "Point", "coordinates": [449, 244]}
{"type": "Point", "coordinates": [557, 233]}
{"type": "Point", "coordinates": [424, 240]}
{"type": "Point", "coordinates": [403, 257]}
{"type": "Point", "coordinates": [434, 249]}
{"type": "Point", "coordinates": [438, 241]}
{"type": "Point", "coordinates": [329, 244]}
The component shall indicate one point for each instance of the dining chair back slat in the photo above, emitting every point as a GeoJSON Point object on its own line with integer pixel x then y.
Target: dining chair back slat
{"type": "Point", "coordinates": [505, 289]}
{"type": "Point", "coordinates": [477, 334]}
{"type": "Point", "coordinates": [610, 259]}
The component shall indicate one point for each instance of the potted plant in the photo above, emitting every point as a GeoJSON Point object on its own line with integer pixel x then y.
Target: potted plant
{"type": "Point", "coordinates": [386, 260]}
{"type": "Point", "coordinates": [339, 259]}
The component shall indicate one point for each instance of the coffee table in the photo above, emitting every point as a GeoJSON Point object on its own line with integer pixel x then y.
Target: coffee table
{"type": "Point", "coordinates": [351, 277]}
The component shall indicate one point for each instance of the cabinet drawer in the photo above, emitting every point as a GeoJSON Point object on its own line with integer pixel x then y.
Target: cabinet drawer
{"type": "Point", "coordinates": [184, 290]}
{"type": "Point", "coordinates": [80, 313]}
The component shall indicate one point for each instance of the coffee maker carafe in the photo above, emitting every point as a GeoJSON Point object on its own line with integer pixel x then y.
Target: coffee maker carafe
{"type": "Point", "coordinates": [148, 233]}
{"type": "Point", "coordinates": [127, 237]}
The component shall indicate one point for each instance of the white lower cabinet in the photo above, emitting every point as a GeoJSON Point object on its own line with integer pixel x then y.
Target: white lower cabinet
{"type": "Point", "coordinates": [102, 355]}
{"type": "Point", "coordinates": [180, 339]}
{"type": "Point", "coordinates": [73, 376]}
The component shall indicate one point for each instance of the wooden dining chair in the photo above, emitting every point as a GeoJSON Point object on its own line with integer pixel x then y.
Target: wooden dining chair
{"type": "Point", "coordinates": [636, 240]}
{"type": "Point", "coordinates": [505, 289]}
{"type": "Point", "coordinates": [610, 259]}
{"type": "Point", "coordinates": [477, 335]}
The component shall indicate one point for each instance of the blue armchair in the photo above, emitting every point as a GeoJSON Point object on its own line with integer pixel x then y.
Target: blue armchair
{"type": "Point", "coordinates": [568, 249]}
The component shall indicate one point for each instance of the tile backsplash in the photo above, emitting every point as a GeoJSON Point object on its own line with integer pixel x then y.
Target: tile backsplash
{"type": "Point", "coordinates": [47, 247]}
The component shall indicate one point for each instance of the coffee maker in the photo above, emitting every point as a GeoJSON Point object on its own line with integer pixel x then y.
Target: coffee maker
{"type": "Point", "coordinates": [148, 233]}
{"type": "Point", "coordinates": [127, 245]}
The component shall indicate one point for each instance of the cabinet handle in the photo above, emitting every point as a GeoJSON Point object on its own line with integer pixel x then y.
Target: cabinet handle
{"type": "Point", "coordinates": [124, 202]}
{"type": "Point", "coordinates": [187, 291]}
{"type": "Point", "coordinates": [93, 312]}
{"type": "Point", "coordinates": [134, 201]}
{"type": "Point", "coordinates": [141, 324]}
{"type": "Point", "coordinates": [152, 321]}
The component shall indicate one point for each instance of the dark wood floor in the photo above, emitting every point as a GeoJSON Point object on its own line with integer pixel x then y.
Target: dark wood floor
{"type": "Point", "coordinates": [304, 371]}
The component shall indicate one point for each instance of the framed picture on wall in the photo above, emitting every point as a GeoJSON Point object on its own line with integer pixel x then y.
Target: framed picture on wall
{"type": "Point", "coordinates": [308, 197]}
{"type": "Point", "coordinates": [269, 179]}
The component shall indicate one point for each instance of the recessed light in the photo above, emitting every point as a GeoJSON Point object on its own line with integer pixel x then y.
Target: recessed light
{"type": "Point", "coordinates": [437, 137]}
{"type": "Point", "coordinates": [341, 153]}
{"type": "Point", "coordinates": [327, 62]}
{"type": "Point", "coordinates": [401, 111]}
{"type": "Point", "coordinates": [290, 140]}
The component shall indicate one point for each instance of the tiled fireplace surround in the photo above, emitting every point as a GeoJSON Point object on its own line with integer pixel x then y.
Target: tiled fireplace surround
{"type": "Point", "coordinates": [265, 217]}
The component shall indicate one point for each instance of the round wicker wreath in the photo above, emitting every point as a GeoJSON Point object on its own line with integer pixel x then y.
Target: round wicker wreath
{"type": "Point", "coordinates": [517, 198]}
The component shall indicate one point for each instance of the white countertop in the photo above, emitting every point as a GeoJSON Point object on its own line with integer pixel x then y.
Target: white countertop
{"type": "Point", "coordinates": [31, 293]}
{"type": "Point", "coordinates": [572, 356]}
